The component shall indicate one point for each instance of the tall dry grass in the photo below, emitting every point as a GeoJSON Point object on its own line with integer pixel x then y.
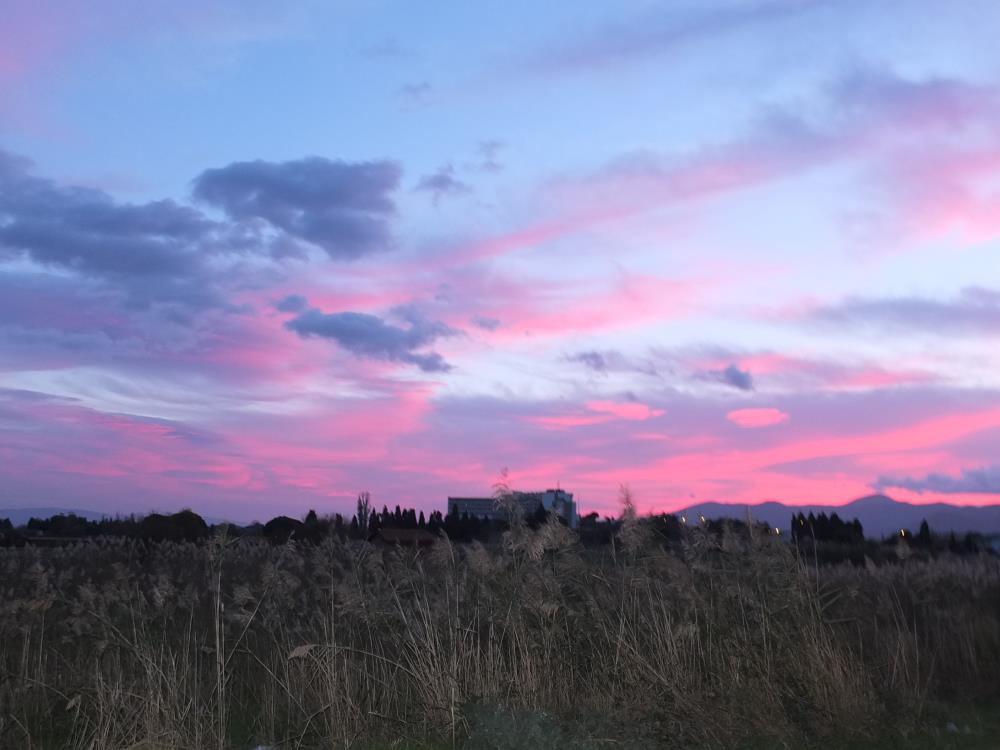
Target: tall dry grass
{"type": "Point", "coordinates": [117, 644]}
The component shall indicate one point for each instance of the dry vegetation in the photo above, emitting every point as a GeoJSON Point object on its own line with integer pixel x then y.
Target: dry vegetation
{"type": "Point", "coordinates": [230, 644]}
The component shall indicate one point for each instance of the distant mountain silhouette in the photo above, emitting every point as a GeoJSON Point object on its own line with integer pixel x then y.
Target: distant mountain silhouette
{"type": "Point", "coordinates": [880, 515]}
{"type": "Point", "coordinates": [20, 516]}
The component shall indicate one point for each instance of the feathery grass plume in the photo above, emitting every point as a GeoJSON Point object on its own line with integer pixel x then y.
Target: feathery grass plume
{"type": "Point", "coordinates": [633, 534]}
{"type": "Point", "coordinates": [505, 499]}
{"type": "Point", "coordinates": [712, 641]}
{"type": "Point", "coordinates": [551, 536]}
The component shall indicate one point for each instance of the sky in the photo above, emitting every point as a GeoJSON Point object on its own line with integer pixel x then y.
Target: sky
{"type": "Point", "coordinates": [258, 257]}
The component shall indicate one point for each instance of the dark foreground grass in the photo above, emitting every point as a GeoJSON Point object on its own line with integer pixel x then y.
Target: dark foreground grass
{"type": "Point", "coordinates": [953, 727]}
{"type": "Point", "coordinates": [720, 642]}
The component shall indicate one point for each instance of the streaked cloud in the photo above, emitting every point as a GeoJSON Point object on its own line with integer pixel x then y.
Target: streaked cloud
{"type": "Point", "coordinates": [631, 410]}
{"type": "Point", "coordinates": [414, 253]}
{"type": "Point", "coordinates": [985, 480]}
{"type": "Point", "coordinates": [752, 418]}
{"type": "Point", "coordinates": [486, 323]}
{"type": "Point", "coordinates": [975, 310]}
{"type": "Point", "coordinates": [663, 31]}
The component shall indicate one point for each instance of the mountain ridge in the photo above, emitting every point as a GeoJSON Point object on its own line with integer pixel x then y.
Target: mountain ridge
{"type": "Point", "coordinates": [21, 516]}
{"type": "Point", "coordinates": [880, 515]}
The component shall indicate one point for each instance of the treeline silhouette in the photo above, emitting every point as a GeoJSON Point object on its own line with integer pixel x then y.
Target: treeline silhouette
{"type": "Point", "coordinates": [184, 526]}
{"type": "Point", "coordinates": [823, 528]}
{"type": "Point", "coordinates": [818, 538]}
{"type": "Point", "coordinates": [188, 526]}
{"type": "Point", "coordinates": [830, 539]}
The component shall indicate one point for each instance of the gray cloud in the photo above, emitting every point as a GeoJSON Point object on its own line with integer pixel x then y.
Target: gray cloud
{"type": "Point", "coordinates": [293, 303]}
{"type": "Point", "coordinates": [343, 208]}
{"type": "Point", "coordinates": [84, 229]}
{"type": "Point", "coordinates": [732, 376]}
{"type": "Point", "coordinates": [488, 153]}
{"type": "Point", "coordinates": [974, 310]}
{"type": "Point", "coordinates": [372, 337]}
{"type": "Point", "coordinates": [414, 94]}
{"type": "Point", "coordinates": [612, 360]}
{"type": "Point", "coordinates": [150, 252]}
{"type": "Point", "coordinates": [442, 184]}
{"type": "Point", "coordinates": [661, 363]}
{"type": "Point", "coordinates": [985, 480]}
{"type": "Point", "coordinates": [593, 360]}
{"type": "Point", "coordinates": [487, 324]}
{"type": "Point", "coordinates": [179, 259]}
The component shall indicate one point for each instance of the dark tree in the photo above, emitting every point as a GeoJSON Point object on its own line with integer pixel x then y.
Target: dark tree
{"type": "Point", "coordinates": [192, 527]}
{"type": "Point", "coordinates": [279, 530]}
{"type": "Point", "coordinates": [924, 535]}
{"type": "Point", "coordinates": [364, 510]}
{"type": "Point", "coordinates": [8, 536]}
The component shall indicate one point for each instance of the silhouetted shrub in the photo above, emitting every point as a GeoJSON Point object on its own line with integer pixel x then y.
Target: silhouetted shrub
{"type": "Point", "coordinates": [282, 528]}
{"type": "Point", "coordinates": [185, 526]}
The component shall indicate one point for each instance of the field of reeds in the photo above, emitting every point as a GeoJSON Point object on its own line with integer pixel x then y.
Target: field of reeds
{"type": "Point", "coordinates": [716, 641]}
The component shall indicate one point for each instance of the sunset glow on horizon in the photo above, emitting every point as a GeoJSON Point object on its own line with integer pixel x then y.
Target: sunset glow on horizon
{"type": "Point", "coordinates": [257, 260]}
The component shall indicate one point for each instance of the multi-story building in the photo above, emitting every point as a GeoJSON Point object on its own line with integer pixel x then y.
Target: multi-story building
{"type": "Point", "coordinates": [555, 501]}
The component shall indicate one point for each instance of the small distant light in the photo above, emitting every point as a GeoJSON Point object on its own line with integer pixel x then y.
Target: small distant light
{"type": "Point", "coordinates": [684, 519]}
{"type": "Point", "coordinates": [902, 532]}
{"type": "Point", "coordinates": [777, 531]}
{"type": "Point", "coordinates": [701, 518]}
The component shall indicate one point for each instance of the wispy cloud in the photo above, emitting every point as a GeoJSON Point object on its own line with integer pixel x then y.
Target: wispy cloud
{"type": "Point", "coordinates": [975, 310]}
{"type": "Point", "coordinates": [414, 94]}
{"type": "Point", "coordinates": [443, 184]}
{"type": "Point", "coordinates": [666, 30]}
{"type": "Point", "coordinates": [389, 49]}
{"type": "Point", "coordinates": [487, 157]}
{"type": "Point", "coordinates": [985, 480]}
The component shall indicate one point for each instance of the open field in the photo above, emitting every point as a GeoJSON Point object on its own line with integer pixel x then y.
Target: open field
{"type": "Point", "coordinates": [719, 641]}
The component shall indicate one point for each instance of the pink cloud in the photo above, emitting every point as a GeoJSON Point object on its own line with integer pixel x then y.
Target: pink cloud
{"type": "Point", "coordinates": [832, 469]}
{"type": "Point", "coordinates": [629, 410]}
{"type": "Point", "coordinates": [119, 452]}
{"type": "Point", "coordinates": [410, 446]}
{"type": "Point", "coordinates": [565, 421]}
{"type": "Point", "coordinates": [555, 309]}
{"type": "Point", "coordinates": [831, 374]}
{"type": "Point", "coordinates": [598, 412]}
{"type": "Point", "coordinates": [318, 422]}
{"type": "Point", "coordinates": [752, 418]}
